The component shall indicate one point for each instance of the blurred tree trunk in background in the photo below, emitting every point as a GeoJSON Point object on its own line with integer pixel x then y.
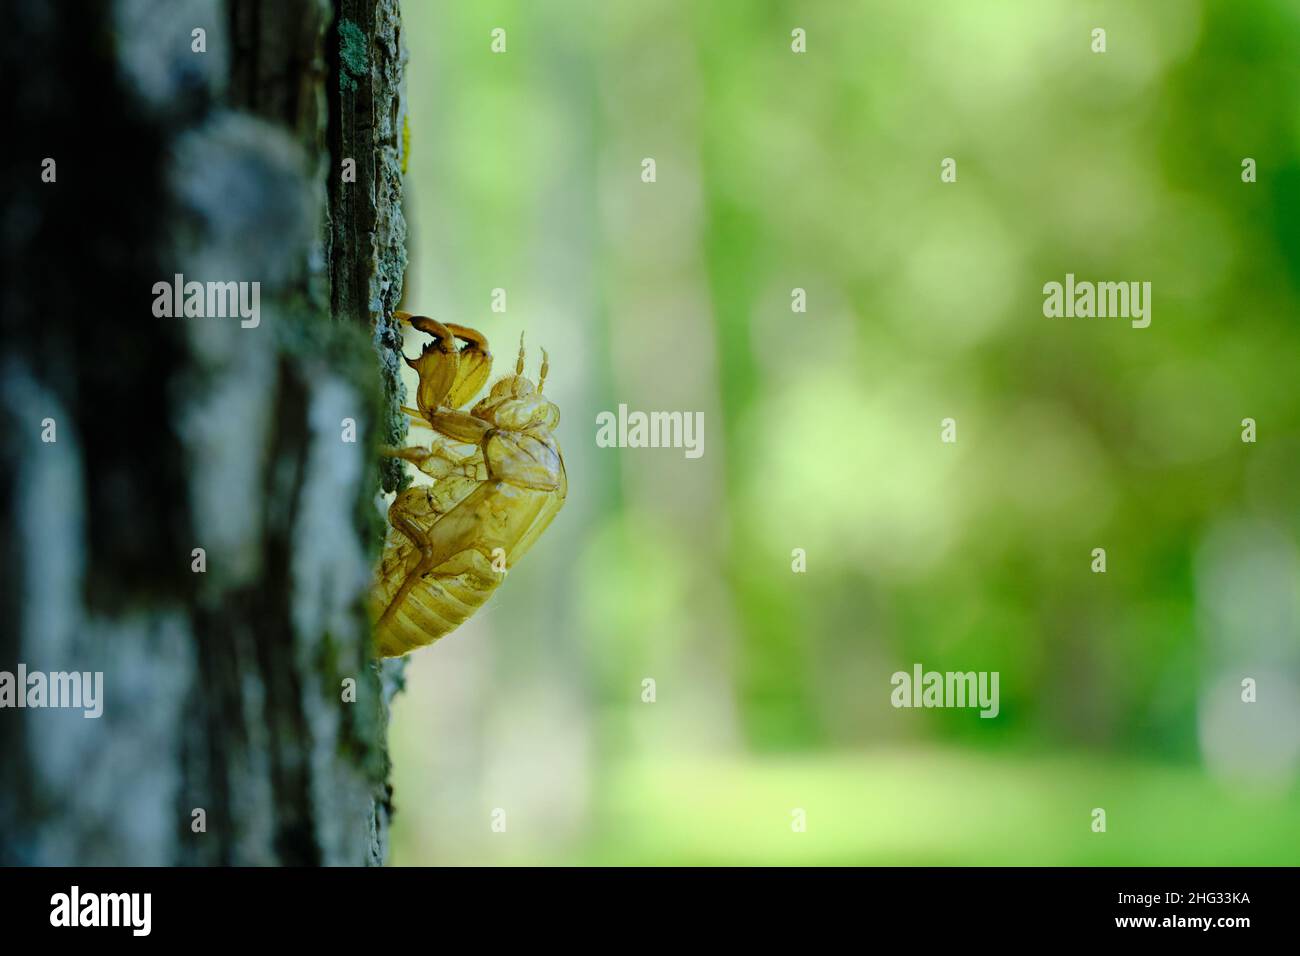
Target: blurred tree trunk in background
{"type": "Point", "coordinates": [223, 691]}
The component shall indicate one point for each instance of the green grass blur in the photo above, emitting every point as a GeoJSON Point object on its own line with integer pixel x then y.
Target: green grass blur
{"type": "Point", "coordinates": [821, 171]}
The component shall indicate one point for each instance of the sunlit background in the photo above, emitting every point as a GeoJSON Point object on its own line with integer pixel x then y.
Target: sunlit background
{"type": "Point", "coordinates": [820, 171]}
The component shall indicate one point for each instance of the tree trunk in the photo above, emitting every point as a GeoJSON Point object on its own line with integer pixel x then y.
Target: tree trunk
{"type": "Point", "coordinates": [226, 671]}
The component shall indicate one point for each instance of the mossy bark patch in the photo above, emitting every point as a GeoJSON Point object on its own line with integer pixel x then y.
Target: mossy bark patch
{"type": "Point", "coordinates": [354, 58]}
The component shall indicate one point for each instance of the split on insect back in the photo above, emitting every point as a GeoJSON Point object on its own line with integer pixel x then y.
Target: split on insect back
{"type": "Point", "coordinates": [498, 482]}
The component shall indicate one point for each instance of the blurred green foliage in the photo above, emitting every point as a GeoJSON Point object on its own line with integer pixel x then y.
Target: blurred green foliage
{"type": "Point", "coordinates": [820, 171]}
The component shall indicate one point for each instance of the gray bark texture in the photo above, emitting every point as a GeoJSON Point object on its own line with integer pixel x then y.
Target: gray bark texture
{"type": "Point", "coordinates": [223, 690]}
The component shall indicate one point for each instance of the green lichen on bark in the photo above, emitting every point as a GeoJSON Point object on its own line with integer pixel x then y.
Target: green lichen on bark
{"type": "Point", "coordinates": [353, 55]}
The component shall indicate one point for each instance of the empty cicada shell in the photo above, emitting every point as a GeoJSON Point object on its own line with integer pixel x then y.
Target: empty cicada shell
{"type": "Point", "coordinates": [498, 481]}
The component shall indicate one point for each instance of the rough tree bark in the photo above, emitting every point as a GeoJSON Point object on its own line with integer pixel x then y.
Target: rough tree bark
{"type": "Point", "coordinates": [223, 690]}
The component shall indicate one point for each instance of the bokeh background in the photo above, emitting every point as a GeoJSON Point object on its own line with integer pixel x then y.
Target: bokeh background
{"type": "Point", "coordinates": [821, 171]}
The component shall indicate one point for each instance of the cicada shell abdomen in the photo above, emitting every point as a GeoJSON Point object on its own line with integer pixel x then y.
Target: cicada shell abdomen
{"type": "Point", "coordinates": [431, 602]}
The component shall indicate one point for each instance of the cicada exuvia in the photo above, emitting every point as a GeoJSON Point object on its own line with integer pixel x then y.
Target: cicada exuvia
{"type": "Point", "coordinates": [498, 481]}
